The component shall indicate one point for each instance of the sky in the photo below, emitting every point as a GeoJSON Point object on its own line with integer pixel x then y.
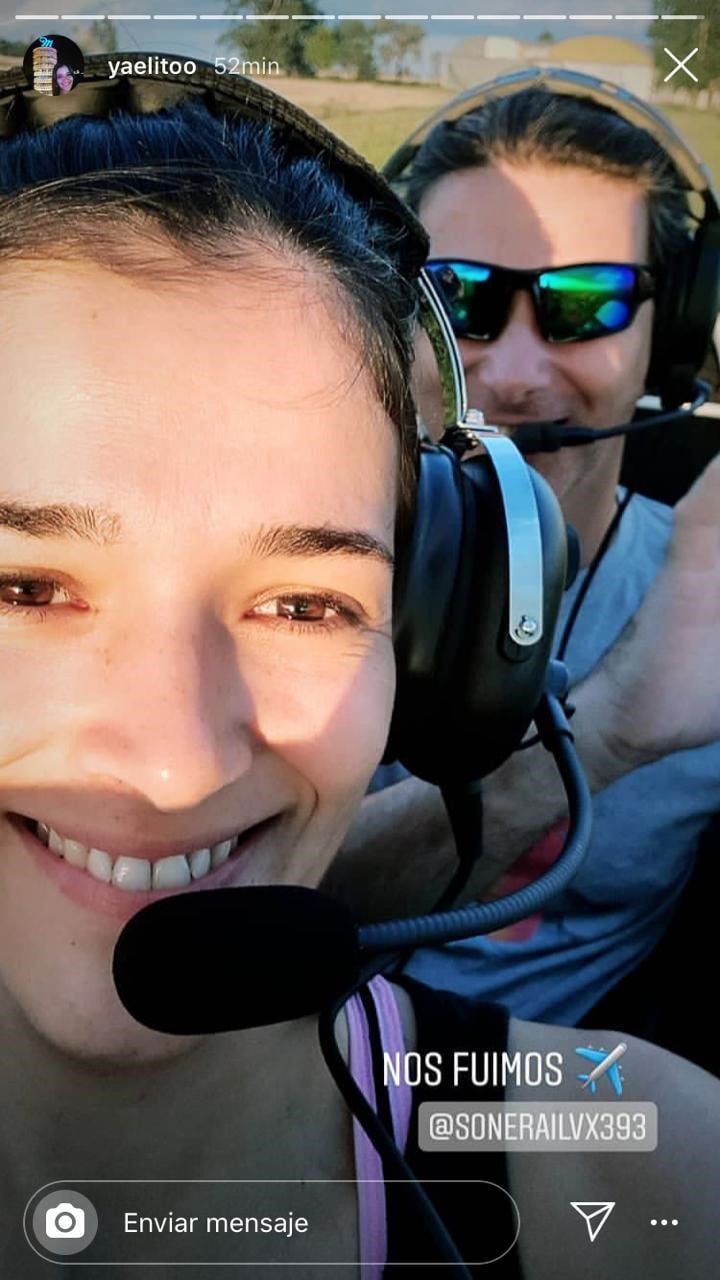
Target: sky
{"type": "Point", "coordinates": [188, 28]}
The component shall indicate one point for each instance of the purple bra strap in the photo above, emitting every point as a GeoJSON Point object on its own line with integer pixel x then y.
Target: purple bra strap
{"type": "Point", "coordinates": [368, 1165]}
{"type": "Point", "coordinates": [393, 1043]}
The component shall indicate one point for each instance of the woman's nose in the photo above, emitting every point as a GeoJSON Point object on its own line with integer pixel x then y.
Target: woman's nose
{"type": "Point", "coordinates": [171, 717]}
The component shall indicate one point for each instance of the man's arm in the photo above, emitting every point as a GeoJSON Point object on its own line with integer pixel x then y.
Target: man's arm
{"type": "Point", "coordinates": [400, 853]}
{"type": "Point", "coordinates": [657, 691]}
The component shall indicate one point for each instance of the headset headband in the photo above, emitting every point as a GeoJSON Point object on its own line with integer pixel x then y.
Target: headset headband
{"type": "Point", "coordinates": [571, 84]}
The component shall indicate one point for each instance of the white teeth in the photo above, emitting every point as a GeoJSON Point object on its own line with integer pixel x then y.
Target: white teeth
{"type": "Point", "coordinates": [199, 863]}
{"type": "Point", "coordinates": [55, 843]}
{"type": "Point", "coordinates": [74, 853]}
{"type": "Point", "coordinates": [221, 852]}
{"type": "Point", "coordinates": [171, 873]}
{"type": "Point", "coordinates": [131, 873]}
{"type": "Point", "coordinates": [99, 864]}
{"type": "Point", "coordinates": [137, 874]}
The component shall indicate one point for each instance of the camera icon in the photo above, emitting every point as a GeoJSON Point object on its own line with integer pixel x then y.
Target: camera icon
{"type": "Point", "coordinates": [65, 1222]}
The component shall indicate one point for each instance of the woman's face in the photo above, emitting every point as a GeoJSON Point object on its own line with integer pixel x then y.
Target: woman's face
{"type": "Point", "coordinates": [196, 523]}
{"type": "Point", "coordinates": [64, 78]}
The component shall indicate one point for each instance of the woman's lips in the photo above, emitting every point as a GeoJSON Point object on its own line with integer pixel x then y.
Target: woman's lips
{"type": "Point", "coordinates": [121, 903]}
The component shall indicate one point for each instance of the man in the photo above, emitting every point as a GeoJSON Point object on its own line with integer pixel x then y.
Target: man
{"type": "Point", "coordinates": [543, 179]}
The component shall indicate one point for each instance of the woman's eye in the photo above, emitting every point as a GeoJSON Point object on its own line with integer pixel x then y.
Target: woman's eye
{"type": "Point", "coordinates": [30, 593]}
{"type": "Point", "coordinates": [312, 610]}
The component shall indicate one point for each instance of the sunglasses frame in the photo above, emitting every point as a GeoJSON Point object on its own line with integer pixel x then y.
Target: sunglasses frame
{"type": "Point", "coordinates": [514, 279]}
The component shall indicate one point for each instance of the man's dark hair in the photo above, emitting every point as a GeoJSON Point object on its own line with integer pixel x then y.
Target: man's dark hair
{"type": "Point", "coordinates": [537, 126]}
{"type": "Point", "coordinates": [157, 195]}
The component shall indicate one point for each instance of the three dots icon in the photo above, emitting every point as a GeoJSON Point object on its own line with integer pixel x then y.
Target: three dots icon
{"type": "Point", "coordinates": [663, 1222]}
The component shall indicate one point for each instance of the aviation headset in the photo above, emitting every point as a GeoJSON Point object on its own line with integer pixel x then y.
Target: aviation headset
{"type": "Point", "coordinates": [688, 295]}
{"type": "Point", "coordinates": [479, 586]}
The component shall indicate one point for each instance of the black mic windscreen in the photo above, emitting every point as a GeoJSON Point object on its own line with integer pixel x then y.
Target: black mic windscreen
{"type": "Point", "coordinates": [226, 959]}
{"type": "Point", "coordinates": [541, 437]}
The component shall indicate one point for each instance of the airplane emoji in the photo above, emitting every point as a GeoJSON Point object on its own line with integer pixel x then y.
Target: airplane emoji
{"type": "Point", "coordinates": [605, 1064]}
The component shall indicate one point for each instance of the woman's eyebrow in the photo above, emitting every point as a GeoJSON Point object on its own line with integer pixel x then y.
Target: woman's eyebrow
{"type": "Point", "coordinates": [103, 527]}
{"type": "Point", "coordinates": [61, 520]}
{"type": "Point", "coordinates": [318, 540]}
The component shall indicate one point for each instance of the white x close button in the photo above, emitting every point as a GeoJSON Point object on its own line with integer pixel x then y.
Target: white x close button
{"type": "Point", "coordinates": [681, 65]}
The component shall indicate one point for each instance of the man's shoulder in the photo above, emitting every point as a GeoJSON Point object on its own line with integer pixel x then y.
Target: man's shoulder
{"type": "Point", "coordinates": [652, 510]}
{"type": "Point", "coordinates": [645, 531]}
{"type": "Point", "coordinates": [628, 567]}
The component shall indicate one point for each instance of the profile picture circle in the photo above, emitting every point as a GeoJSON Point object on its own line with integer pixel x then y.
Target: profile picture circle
{"type": "Point", "coordinates": [53, 65]}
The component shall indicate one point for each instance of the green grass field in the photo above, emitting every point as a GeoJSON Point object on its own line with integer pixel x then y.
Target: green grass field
{"type": "Point", "coordinates": [375, 118]}
{"type": "Point", "coordinates": [702, 131]}
{"type": "Point", "coordinates": [377, 136]}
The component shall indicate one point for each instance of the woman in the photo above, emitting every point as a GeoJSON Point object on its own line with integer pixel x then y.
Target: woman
{"type": "Point", "coordinates": [63, 79]}
{"type": "Point", "coordinates": [198, 677]}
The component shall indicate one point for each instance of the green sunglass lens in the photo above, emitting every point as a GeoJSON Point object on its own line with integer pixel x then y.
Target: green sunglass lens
{"type": "Point", "coordinates": [587, 302]}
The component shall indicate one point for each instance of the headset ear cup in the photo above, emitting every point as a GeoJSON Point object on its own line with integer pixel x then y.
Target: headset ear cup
{"type": "Point", "coordinates": [686, 310]}
{"type": "Point", "coordinates": [423, 596]}
{"type": "Point", "coordinates": [701, 299]}
{"type": "Point", "coordinates": [465, 692]}
{"type": "Point", "coordinates": [669, 305]}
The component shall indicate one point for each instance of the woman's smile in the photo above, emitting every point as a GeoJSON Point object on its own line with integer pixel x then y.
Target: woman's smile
{"type": "Point", "coordinates": [119, 884]}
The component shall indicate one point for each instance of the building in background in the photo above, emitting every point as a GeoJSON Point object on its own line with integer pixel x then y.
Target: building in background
{"type": "Point", "coordinates": [481, 58]}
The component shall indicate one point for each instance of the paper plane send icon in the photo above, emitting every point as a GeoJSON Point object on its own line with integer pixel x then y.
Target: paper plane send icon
{"type": "Point", "coordinates": [595, 1213]}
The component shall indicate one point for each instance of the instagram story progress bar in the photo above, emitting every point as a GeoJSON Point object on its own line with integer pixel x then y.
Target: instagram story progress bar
{"type": "Point", "coordinates": [359, 17]}
{"type": "Point", "coordinates": [349, 11]}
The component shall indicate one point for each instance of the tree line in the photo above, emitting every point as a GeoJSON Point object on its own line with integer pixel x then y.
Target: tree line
{"type": "Point", "coordinates": [682, 38]}
{"type": "Point", "coordinates": [304, 45]}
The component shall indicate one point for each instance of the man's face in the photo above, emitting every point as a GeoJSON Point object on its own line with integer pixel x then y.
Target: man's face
{"type": "Point", "coordinates": [210, 650]}
{"type": "Point", "coordinates": [531, 217]}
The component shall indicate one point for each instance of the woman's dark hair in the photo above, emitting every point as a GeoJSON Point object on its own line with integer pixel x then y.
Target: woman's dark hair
{"type": "Point", "coordinates": [160, 193]}
{"type": "Point", "coordinates": [538, 126]}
